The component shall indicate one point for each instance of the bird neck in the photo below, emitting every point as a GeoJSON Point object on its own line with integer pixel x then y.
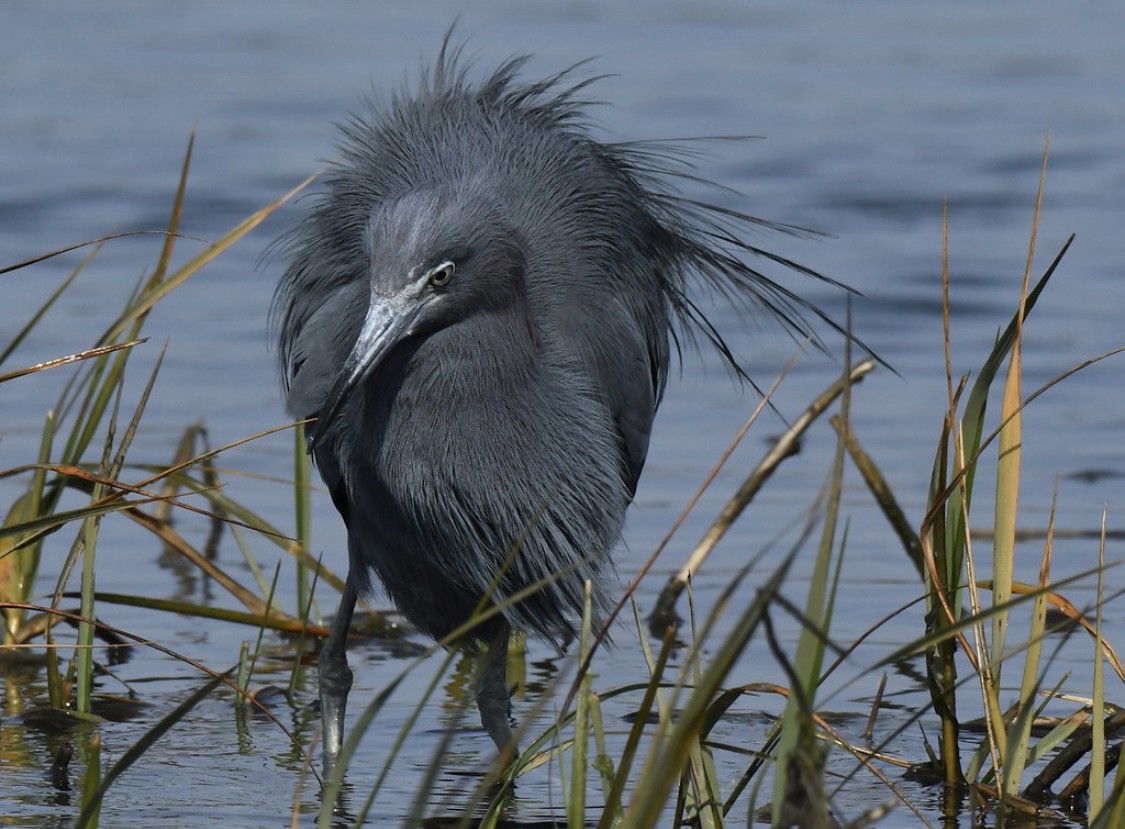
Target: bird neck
{"type": "Point", "coordinates": [486, 358]}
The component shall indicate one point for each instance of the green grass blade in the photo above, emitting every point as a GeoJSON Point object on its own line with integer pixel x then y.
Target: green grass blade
{"type": "Point", "coordinates": [1097, 712]}
{"type": "Point", "coordinates": [1020, 733]}
{"type": "Point", "coordinates": [614, 800]}
{"type": "Point", "coordinates": [92, 781]}
{"type": "Point", "coordinates": [302, 514]}
{"type": "Point", "coordinates": [576, 797]}
{"type": "Point", "coordinates": [155, 293]}
{"type": "Point", "coordinates": [37, 317]}
{"type": "Point", "coordinates": [973, 418]}
{"type": "Point", "coordinates": [663, 768]}
{"type": "Point", "coordinates": [798, 746]}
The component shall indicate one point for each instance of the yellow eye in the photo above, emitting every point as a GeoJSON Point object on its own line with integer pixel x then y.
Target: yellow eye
{"type": "Point", "coordinates": [441, 274]}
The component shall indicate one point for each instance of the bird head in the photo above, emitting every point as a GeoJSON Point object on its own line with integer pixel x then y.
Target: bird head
{"type": "Point", "coordinates": [436, 257]}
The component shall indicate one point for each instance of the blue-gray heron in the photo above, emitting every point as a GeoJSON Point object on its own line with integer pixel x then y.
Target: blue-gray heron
{"type": "Point", "coordinates": [479, 311]}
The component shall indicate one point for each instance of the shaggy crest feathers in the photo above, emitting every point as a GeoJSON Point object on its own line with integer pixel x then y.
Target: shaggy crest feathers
{"type": "Point", "coordinates": [705, 239]}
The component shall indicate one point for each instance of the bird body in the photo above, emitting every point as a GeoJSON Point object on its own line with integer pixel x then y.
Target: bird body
{"type": "Point", "coordinates": [522, 424]}
{"type": "Point", "coordinates": [479, 311]}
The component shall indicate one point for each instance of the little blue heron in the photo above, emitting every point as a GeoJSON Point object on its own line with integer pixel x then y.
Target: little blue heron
{"type": "Point", "coordinates": [479, 311]}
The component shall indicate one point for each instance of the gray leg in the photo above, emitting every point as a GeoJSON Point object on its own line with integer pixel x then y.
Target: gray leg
{"type": "Point", "coordinates": [335, 680]}
{"type": "Point", "coordinates": [493, 697]}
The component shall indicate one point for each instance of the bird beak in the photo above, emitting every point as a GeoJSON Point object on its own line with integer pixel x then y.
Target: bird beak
{"type": "Point", "coordinates": [388, 321]}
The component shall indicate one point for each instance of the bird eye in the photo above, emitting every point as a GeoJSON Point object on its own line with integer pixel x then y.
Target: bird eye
{"type": "Point", "coordinates": [441, 274]}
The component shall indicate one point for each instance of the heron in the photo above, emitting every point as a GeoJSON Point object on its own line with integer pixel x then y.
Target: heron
{"type": "Point", "coordinates": [479, 310]}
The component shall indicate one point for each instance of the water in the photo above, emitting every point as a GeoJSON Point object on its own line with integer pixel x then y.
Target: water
{"type": "Point", "coordinates": [871, 119]}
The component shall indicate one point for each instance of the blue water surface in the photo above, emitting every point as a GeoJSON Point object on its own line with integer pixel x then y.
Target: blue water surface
{"type": "Point", "coordinates": [872, 119]}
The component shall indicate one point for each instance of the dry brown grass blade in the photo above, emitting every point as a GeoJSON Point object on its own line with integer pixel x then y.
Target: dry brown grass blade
{"type": "Point", "coordinates": [88, 480]}
{"type": "Point", "coordinates": [174, 540]}
{"type": "Point", "coordinates": [159, 528]}
{"type": "Point", "coordinates": [184, 454]}
{"type": "Point", "coordinates": [1037, 812]}
{"type": "Point", "coordinates": [1064, 606]}
{"type": "Point", "coordinates": [882, 493]}
{"type": "Point", "coordinates": [71, 358]}
{"type": "Point", "coordinates": [99, 240]}
{"type": "Point", "coordinates": [157, 292]}
{"type": "Point", "coordinates": [863, 755]}
{"type": "Point", "coordinates": [211, 453]}
{"type": "Point", "coordinates": [664, 615]}
{"type": "Point", "coordinates": [664, 611]}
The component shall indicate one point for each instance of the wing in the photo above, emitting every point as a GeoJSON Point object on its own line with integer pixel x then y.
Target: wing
{"type": "Point", "coordinates": [320, 348]}
{"type": "Point", "coordinates": [620, 361]}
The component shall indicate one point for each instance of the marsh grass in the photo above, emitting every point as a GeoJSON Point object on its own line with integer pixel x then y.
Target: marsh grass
{"type": "Point", "coordinates": [668, 767]}
{"type": "Point", "coordinates": [92, 407]}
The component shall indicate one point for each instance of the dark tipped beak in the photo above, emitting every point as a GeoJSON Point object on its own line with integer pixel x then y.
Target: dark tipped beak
{"type": "Point", "coordinates": [387, 324]}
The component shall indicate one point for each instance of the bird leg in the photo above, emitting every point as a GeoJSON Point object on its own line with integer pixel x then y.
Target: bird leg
{"type": "Point", "coordinates": [335, 679]}
{"type": "Point", "coordinates": [493, 697]}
